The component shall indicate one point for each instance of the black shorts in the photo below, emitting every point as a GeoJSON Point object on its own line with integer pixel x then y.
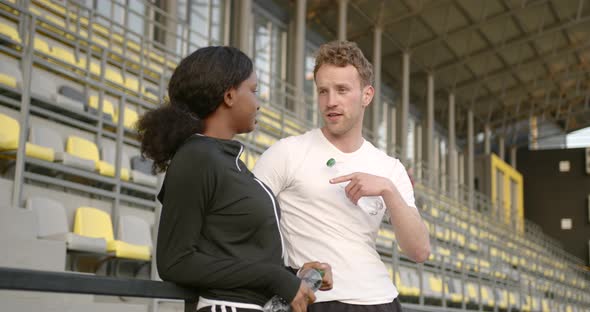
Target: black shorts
{"type": "Point", "coordinates": [337, 306]}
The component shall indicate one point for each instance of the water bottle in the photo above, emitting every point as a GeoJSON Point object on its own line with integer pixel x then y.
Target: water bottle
{"type": "Point", "coordinates": [311, 277]}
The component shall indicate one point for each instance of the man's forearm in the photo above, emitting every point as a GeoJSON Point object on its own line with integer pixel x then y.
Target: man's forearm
{"type": "Point", "coordinates": [410, 231]}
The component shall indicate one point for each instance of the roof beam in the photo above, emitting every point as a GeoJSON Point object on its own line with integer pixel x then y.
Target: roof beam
{"type": "Point", "coordinates": [516, 92]}
{"type": "Point", "coordinates": [514, 42]}
{"type": "Point", "coordinates": [534, 61]}
{"type": "Point", "coordinates": [478, 25]}
{"type": "Point", "coordinates": [432, 5]}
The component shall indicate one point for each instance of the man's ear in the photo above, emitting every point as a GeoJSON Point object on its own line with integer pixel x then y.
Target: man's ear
{"type": "Point", "coordinates": [368, 93]}
{"type": "Point", "coordinates": [229, 97]}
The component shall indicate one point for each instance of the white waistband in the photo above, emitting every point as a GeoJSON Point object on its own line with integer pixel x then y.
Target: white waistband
{"type": "Point", "coordinates": [204, 302]}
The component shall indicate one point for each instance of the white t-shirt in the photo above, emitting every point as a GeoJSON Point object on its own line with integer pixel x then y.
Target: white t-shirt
{"type": "Point", "coordinates": [318, 221]}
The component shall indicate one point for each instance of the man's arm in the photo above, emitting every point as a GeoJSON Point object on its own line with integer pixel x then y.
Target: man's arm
{"type": "Point", "coordinates": [410, 230]}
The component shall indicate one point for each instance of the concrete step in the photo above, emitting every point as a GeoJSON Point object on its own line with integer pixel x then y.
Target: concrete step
{"type": "Point", "coordinates": [17, 223]}
{"type": "Point", "coordinates": [39, 297]}
{"type": "Point", "coordinates": [49, 306]}
{"type": "Point", "coordinates": [32, 254]}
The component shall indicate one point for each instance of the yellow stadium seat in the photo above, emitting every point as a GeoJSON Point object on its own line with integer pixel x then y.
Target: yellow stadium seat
{"type": "Point", "coordinates": [9, 140]}
{"type": "Point", "coordinates": [264, 139]}
{"type": "Point", "coordinates": [94, 66]}
{"type": "Point", "coordinates": [9, 132]}
{"type": "Point", "coordinates": [436, 284]}
{"type": "Point", "coordinates": [82, 148]}
{"type": "Point", "coordinates": [53, 6]}
{"type": "Point", "coordinates": [42, 46]}
{"type": "Point", "coordinates": [155, 67]}
{"type": "Point", "coordinates": [158, 58]}
{"type": "Point", "coordinates": [133, 46]}
{"type": "Point", "coordinates": [545, 305]}
{"type": "Point", "coordinates": [107, 107]}
{"type": "Point", "coordinates": [92, 222]}
{"type": "Point", "coordinates": [8, 80]}
{"type": "Point", "coordinates": [9, 31]}
{"type": "Point", "coordinates": [39, 152]}
{"type": "Point", "coordinates": [114, 76]}
{"type": "Point", "coordinates": [404, 287]}
{"type": "Point", "coordinates": [472, 294]}
{"type": "Point", "coordinates": [105, 169]}
{"type": "Point", "coordinates": [132, 84]}
{"type": "Point", "coordinates": [99, 41]}
{"type": "Point", "coordinates": [486, 297]}
{"type": "Point", "coordinates": [129, 251]}
{"type": "Point", "coordinates": [130, 118]}
{"type": "Point", "coordinates": [64, 55]}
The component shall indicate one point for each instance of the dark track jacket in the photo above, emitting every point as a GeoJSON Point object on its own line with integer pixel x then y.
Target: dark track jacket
{"type": "Point", "coordinates": [219, 226]}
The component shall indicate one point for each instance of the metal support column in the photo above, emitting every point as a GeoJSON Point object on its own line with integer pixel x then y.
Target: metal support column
{"type": "Point", "coordinates": [470, 158]}
{"type": "Point", "coordinates": [501, 147]}
{"type": "Point", "coordinates": [487, 140]}
{"type": "Point", "coordinates": [404, 111]}
{"type": "Point", "coordinates": [342, 16]}
{"type": "Point", "coordinates": [245, 22]}
{"type": "Point", "coordinates": [429, 133]}
{"type": "Point", "coordinates": [452, 148]}
{"type": "Point", "coordinates": [299, 57]}
{"type": "Point", "coordinates": [377, 72]}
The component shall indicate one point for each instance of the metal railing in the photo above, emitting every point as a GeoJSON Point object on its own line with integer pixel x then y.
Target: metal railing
{"type": "Point", "coordinates": [75, 283]}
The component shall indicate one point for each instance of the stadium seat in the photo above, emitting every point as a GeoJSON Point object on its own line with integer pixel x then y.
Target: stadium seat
{"type": "Point", "coordinates": [487, 296]}
{"type": "Point", "coordinates": [130, 118]}
{"type": "Point", "coordinates": [453, 290]}
{"type": "Point", "coordinates": [93, 222]}
{"type": "Point", "coordinates": [142, 171]}
{"type": "Point", "coordinates": [9, 141]}
{"type": "Point", "coordinates": [80, 153]}
{"type": "Point", "coordinates": [44, 142]}
{"type": "Point", "coordinates": [71, 97]}
{"type": "Point", "coordinates": [63, 54]}
{"type": "Point", "coordinates": [472, 293]}
{"type": "Point", "coordinates": [150, 93]}
{"type": "Point", "coordinates": [501, 298]}
{"type": "Point", "coordinates": [114, 76]}
{"type": "Point", "coordinates": [264, 139]}
{"type": "Point", "coordinates": [9, 33]}
{"type": "Point", "coordinates": [432, 284]}
{"type": "Point", "coordinates": [108, 108]}
{"type": "Point", "coordinates": [135, 232]}
{"type": "Point", "coordinates": [52, 224]}
{"type": "Point", "coordinates": [385, 237]}
{"type": "Point", "coordinates": [109, 155]}
{"type": "Point", "coordinates": [44, 88]}
{"type": "Point", "coordinates": [10, 73]}
{"type": "Point", "coordinates": [131, 83]}
{"type": "Point", "coordinates": [406, 281]}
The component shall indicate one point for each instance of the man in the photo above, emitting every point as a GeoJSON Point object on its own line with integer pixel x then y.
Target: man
{"type": "Point", "coordinates": [334, 188]}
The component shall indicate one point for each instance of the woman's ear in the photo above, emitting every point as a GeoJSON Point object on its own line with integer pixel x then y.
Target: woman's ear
{"type": "Point", "coordinates": [229, 96]}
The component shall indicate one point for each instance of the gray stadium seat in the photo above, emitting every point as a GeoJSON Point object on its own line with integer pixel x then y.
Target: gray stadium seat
{"type": "Point", "coordinates": [45, 88]}
{"type": "Point", "coordinates": [142, 171]}
{"type": "Point", "coordinates": [46, 137]}
{"type": "Point", "coordinates": [10, 73]}
{"type": "Point", "coordinates": [72, 160]}
{"type": "Point", "coordinates": [52, 224]}
{"type": "Point", "coordinates": [108, 155]}
{"type": "Point", "coordinates": [134, 230]}
{"type": "Point", "coordinates": [69, 97]}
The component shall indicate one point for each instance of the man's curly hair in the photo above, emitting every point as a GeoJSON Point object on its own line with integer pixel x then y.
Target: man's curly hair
{"type": "Point", "coordinates": [343, 53]}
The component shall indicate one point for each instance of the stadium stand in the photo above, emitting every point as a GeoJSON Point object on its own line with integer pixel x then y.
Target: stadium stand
{"type": "Point", "coordinates": [73, 98]}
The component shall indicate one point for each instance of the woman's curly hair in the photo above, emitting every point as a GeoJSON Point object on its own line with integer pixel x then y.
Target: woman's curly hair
{"type": "Point", "coordinates": [196, 89]}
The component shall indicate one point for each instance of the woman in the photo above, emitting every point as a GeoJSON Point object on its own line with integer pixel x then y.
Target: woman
{"type": "Point", "coordinates": [219, 224]}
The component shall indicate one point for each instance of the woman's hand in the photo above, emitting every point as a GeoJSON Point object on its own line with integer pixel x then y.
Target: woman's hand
{"type": "Point", "coordinates": [327, 281]}
{"type": "Point", "coordinates": [303, 298]}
